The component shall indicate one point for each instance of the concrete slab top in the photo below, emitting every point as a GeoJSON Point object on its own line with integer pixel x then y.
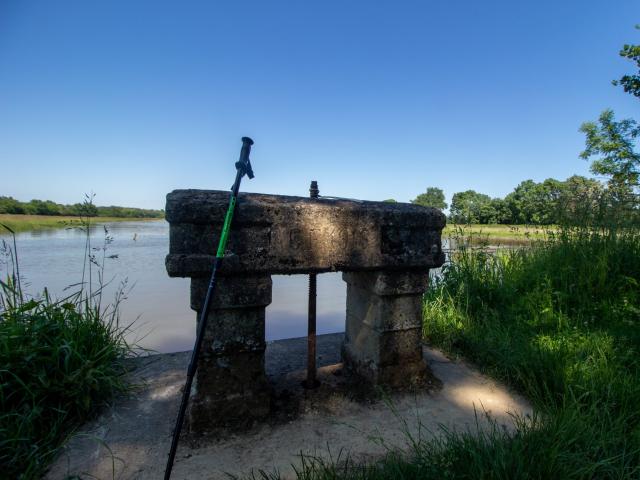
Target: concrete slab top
{"type": "Point", "coordinates": [210, 206]}
{"type": "Point", "coordinates": [284, 234]}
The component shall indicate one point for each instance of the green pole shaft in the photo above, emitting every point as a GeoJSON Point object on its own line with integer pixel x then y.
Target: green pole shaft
{"type": "Point", "coordinates": [226, 227]}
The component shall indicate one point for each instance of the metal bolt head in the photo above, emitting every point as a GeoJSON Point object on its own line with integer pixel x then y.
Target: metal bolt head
{"type": "Point", "coordinates": [313, 190]}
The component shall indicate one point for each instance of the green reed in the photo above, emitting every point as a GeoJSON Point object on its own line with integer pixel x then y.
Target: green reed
{"type": "Point", "coordinates": [60, 361]}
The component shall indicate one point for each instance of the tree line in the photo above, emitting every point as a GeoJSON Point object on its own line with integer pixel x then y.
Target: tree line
{"type": "Point", "coordinates": [532, 203]}
{"type": "Point", "coordinates": [87, 209]}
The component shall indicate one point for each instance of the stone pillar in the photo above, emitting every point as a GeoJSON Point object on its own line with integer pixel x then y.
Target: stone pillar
{"type": "Point", "coordinates": [231, 387]}
{"type": "Point", "coordinates": [383, 341]}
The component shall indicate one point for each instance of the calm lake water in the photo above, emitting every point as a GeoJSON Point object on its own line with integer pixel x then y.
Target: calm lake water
{"type": "Point", "coordinates": [159, 305]}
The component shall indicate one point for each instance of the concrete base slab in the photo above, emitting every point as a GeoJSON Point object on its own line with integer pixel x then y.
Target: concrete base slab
{"type": "Point", "coordinates": [131, 439]}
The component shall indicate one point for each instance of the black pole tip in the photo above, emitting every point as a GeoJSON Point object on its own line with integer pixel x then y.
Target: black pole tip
{"type": "Point", "coordinates": [247, 140]}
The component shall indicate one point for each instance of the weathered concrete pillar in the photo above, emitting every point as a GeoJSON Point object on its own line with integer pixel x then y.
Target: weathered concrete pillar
{"type": "Point", "coordinates": [383, 341]}
{"type": "Point", "coordinates": [387, 248]}
{"type": "Point", "coordinates": [231, 387]}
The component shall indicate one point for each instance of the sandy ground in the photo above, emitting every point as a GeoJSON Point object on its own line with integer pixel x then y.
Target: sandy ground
{"type": "Point", "coordinates": [131, 439]}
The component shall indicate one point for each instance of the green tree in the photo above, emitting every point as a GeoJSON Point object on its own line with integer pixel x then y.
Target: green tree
{"type": "Point", "coordinates": [581, 201]}
{"type": "Point", "coordinates": [11, 205]}
{"type": "Point", "coordinates": [613, 144]}
{"type": "Point", "coordinates": [535, 203]}
{"type": "Point", "coordinates": [88, 209]}
{"type": "Point", "coordinates": [523, 202]}
{"type": "Point", "coordinates": [502, 213]}
{"type": "Point", "coordinates": [42, 207]}
{"type": "Point", "coordinates": [469, 207]}
{"type": "Point", "coordinates": [433, 197]}
{"type": "Point", "coordinates": [486, 212]}
{"type": "Point", "coordinates": [631, 83]}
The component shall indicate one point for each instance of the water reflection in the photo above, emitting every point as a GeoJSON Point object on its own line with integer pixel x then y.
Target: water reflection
{"type": "Point", "coordinates": [287, 314]}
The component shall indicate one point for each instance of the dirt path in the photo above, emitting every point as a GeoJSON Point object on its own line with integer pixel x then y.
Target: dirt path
{"type": "Point", "coordinates": [132, 438]}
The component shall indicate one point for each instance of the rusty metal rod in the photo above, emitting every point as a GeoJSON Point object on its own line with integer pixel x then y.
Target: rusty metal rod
{"type": "Point", "coordinates": [312, 381]}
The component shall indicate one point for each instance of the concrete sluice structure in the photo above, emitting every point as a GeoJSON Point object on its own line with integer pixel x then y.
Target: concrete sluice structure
{"type": "Point", "coordinates": [384, 249]}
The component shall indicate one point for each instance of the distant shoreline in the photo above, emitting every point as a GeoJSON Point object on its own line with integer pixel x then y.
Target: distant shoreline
{"type": "Point", "coordinates": [26, 223]}
{"type": "Point", "coordinates": [496, 233]}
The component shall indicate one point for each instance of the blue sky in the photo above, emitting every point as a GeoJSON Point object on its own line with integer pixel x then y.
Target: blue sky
{"type": "Point", "coordinates": [375, 100]}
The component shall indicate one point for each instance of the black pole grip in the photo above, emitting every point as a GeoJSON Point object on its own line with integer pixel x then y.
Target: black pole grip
{"type": "Point", "coordinates": [244, 161]}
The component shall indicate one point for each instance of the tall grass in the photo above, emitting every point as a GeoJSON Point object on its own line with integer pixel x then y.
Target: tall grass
{"type": "Point", "coordinates": [560, 322]}
{"type": "Point", "coordinates": [60, 360]}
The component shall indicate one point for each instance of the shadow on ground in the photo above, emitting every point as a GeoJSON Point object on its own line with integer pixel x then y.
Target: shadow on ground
{"type": "Point", "coordinates": [131, 439]}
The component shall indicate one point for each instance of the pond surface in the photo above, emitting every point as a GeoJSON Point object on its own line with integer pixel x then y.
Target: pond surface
{"type": "Point", "coordinates": [159, 305]}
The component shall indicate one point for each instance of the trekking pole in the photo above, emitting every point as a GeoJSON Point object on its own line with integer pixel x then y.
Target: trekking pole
{"type": "Point", "coordinates": [243, 167]}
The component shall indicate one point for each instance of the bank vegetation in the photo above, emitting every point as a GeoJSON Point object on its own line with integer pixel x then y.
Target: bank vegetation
{"type": "Point", "coordinates": [11, 206]}
{"type": "Point", "coordinates": [61, 360]}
